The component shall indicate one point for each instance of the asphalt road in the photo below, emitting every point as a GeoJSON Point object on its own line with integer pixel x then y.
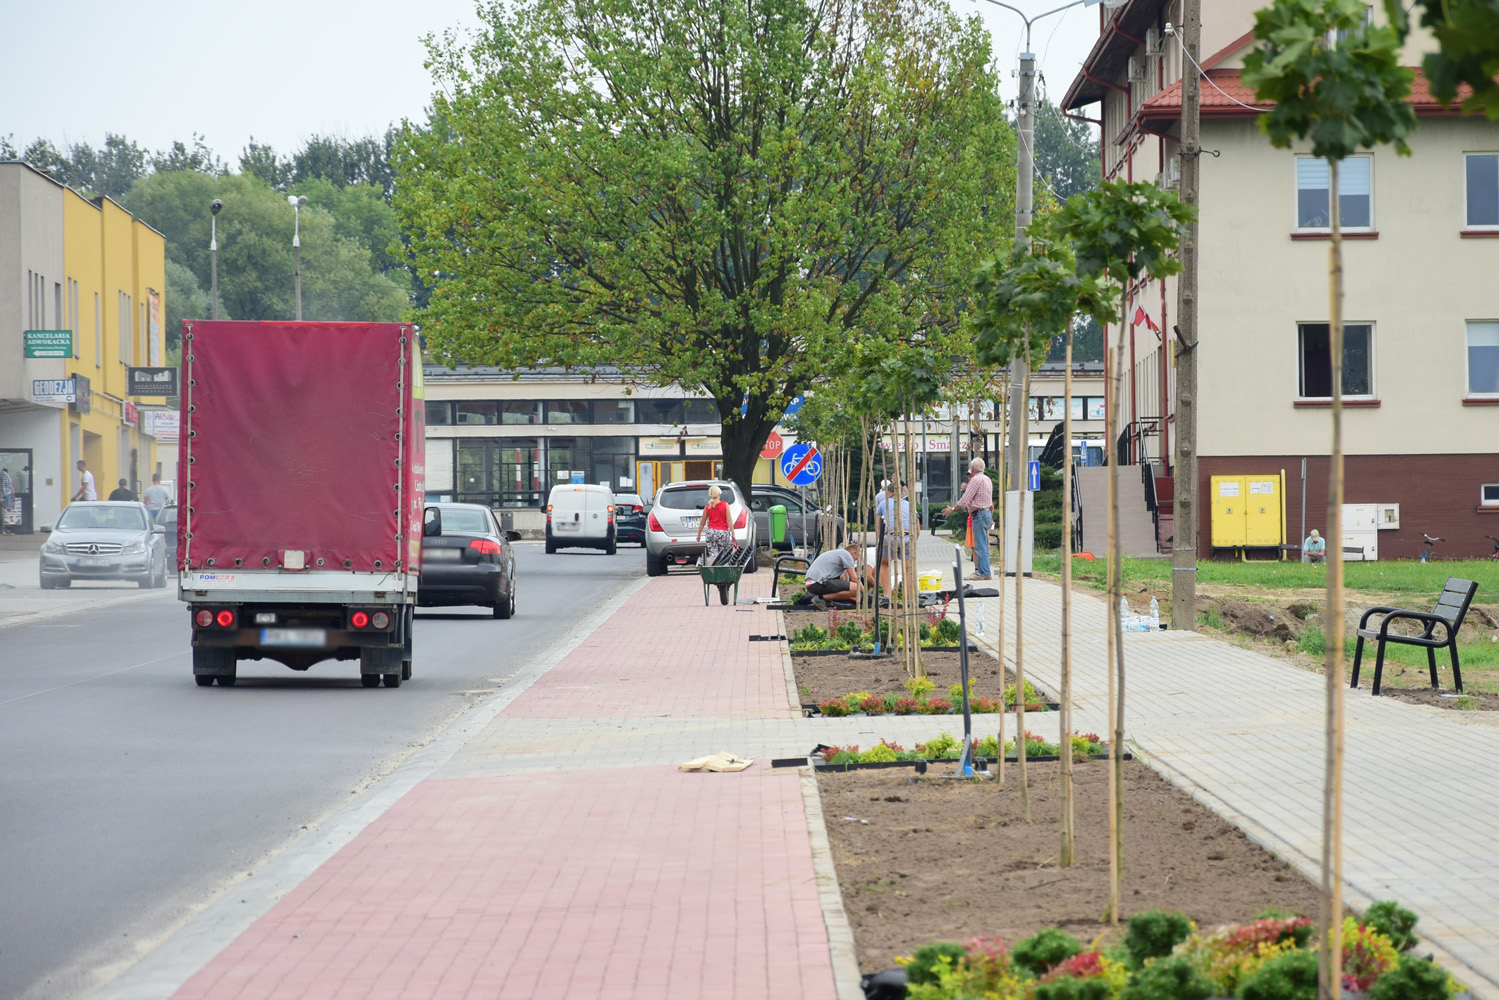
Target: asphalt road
{"type": "Point", "coordinates": [130, 797]}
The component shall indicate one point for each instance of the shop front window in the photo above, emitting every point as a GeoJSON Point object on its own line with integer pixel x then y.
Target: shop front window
{"type": "Point", "coordinates": [476, 412]}
{"type": "Point", "coordinates": [614, 411]}
{"type": "Point", "coordinates": [567, 411]}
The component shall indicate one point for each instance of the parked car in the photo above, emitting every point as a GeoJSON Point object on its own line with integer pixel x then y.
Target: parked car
{"type": "Point", "coordinates": [632, 502]}
{"type": "Point", "coordinates": [629, 525]}
{"type": "Point", "coordinates": [671, 526]}
{"type": "Point", "coordinates": [803, 523]}
{"type": "Point", "coordinates": [580, 516]}
{"type": "Point", "coordinates": [466, 559]}
{"type": "Point", "coordinates": [168, 520]}
{"type": "Point", "coordinates": [104, 540]}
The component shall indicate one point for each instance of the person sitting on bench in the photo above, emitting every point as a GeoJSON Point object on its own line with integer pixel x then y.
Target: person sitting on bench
{"type": "Point", "coordinates": [1315, 547]}
{"type": "Point", "coordinates": [834, 575]}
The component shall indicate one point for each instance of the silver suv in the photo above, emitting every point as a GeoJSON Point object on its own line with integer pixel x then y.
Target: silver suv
{"type": "Point", "coordinates": [671, 529]}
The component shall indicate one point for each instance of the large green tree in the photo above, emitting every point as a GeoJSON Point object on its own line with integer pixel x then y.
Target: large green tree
{"type": "Point", "coordinates": [717, 194]}
{"type": "Point", "coordinates": [340, 280]}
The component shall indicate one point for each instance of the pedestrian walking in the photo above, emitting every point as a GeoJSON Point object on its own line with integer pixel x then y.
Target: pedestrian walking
{"type": "Point", "coordinates": [123, 492]}
{"type": "Point", "coordinates": [715, 521]}
{"type": "Point", "coordinates": [978, 501]}
{"type": "Point", "coordinates": [157, 496]}
{"type": "Point", "coordinates": [86, 489]}
{"type": "Point", "coordinates": [7, 497]}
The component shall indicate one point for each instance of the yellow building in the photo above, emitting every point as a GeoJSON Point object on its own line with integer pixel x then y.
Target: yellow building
{"type": "Point", "coordinates": [86, 267]}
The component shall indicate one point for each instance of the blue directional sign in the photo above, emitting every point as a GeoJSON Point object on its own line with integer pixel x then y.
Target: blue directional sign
{"type": "Point", "coordinates": [801, 464]}
{"type": "Point", "coordinates": [1033, 477]}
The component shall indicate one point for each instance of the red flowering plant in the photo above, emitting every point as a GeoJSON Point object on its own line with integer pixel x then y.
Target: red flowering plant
{"type": "Point", "coordinates": [833, 708]}
{"type": "Point", "coordinates": [873, 705]}
{"type": "Point", "coordinates": [1087, 965]}
{"type": "Point", "coordinates": [906, 706]}
{"type": "Point", "coordinates": [936, 706]}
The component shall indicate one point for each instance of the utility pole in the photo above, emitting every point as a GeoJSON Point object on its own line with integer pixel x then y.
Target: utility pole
{"type": "Point", "coordinates": [1025, 126]}
{"type": "Point", "coordinates": [1184, 517]}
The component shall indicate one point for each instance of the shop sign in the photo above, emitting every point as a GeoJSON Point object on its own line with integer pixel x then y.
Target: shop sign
{"type": "Point", "coordinates": [164, 425]}
{"type": "Point", "coordinates": [150, 381]}
{"type": "Point", "coordinates": [132, 415]}
{"type": "Point", "coordinates": [80, 393]}
{"type": "Point", "coordinates": [704, 446]}
{"type": "Point", "coordinates": [49, 343]}
{"type": "Point", "coordinates": [52, 390]}
{"type": "Point", "coordinates": [659, 446]}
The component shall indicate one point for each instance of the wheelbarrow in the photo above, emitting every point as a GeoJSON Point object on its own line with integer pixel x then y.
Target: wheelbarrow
{"type": "Point", "coordinates": [721, 576]}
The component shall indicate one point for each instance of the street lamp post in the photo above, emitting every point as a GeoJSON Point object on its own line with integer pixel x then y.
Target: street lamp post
{"type": "Point", "coordinates": [1025, 177]}
{"type": "Point", "coordinates": [296, 246]}
{"type": "Point", "coordinates": [213, 257]}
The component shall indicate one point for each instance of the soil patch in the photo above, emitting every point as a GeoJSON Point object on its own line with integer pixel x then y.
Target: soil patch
{"type": "Point", "coordinates": [943, 860]}
{"type": "Point", "coordinates": [1472, 701]}
{"type": "Point", "coordinates": [822, 678]}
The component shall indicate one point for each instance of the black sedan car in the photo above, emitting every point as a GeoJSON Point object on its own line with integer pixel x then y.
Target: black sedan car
{"type": "Point", "coordinates": [466, 559]}
{"type": "Point", "coordinates": [629, 522]}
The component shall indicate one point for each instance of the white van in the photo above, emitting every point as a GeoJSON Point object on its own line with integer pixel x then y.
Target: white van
{"type": "Point", "coordinates": [580, 516]}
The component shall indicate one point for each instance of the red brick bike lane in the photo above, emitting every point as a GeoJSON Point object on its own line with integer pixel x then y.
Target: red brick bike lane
{"type": "Point", "coordinates": [627, 881]}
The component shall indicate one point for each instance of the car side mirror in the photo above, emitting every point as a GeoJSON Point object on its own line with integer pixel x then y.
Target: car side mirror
{"type": "Point", "coordinates": [432, 523]}
{"type": "Point", "coordinates": [44, 527]}
{"type": "Point", "coordinates": [158, 529]}
{"type": "Point", "coordinates": [512, 536]}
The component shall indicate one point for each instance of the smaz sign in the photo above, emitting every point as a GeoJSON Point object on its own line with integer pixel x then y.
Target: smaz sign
{"type": "Point", "coordinates": [151, 382]}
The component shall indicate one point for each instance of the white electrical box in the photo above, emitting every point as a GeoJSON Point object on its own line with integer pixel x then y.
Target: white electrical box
{"type": "Point", "coordinates": [1024, 514]}
{"type": "Point", "coordinates": [1360, 532]}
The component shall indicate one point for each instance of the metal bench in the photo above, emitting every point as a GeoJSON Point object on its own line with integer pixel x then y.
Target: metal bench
{"type": "Point", "coordinates": [1449, 612]}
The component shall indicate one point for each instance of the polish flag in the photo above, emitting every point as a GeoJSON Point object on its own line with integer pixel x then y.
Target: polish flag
{"type": "Point", "coordinates": [1141, 316]}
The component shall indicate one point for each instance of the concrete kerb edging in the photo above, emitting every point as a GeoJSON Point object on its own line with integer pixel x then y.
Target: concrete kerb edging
{"type": "Point", "coordinates": [163, 970]}
{"type": "Point", "coordinates": [1479, 986]}
{"type": "Point", "coordinates": [841, 951]}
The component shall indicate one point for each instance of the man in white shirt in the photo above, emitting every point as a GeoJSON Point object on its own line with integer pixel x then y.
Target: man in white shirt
{"type": "Point", "coordinates": [834, 575]}
{"type": "Point", "coordinates": [157, 496]}
{"type": "Point", "coordinates": [86, 489]}
{"type": "Point", "coordinates": [901, 531]}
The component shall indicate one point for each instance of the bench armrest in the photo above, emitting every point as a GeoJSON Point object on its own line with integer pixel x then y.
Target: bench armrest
{"type": "Point", "coordinates": [1420, 616]}
{"type": "Point", "coordinates": [1381, 609]}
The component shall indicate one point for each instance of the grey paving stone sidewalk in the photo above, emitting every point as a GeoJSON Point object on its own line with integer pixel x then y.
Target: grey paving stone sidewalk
{"type": "Point", "coordinates": [1243, 732]}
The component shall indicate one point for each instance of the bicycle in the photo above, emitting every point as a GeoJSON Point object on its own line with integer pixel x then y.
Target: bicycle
{"type": "Point", "coordinates": [1495, 554]}
{"type": "Point", "coordinates": [1432, 541]}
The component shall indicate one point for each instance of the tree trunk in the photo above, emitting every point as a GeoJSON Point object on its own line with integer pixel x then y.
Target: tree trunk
{"type": "Point", "coordinates": [1331, 957]}
{"type": "Point", "coordinates": [1025, 790]}
{"type": "Point", "coordinates": [1064, 858]}
{"type": "Point", "coordinates": [1184, 471]}
{"type": "Point", "coordinates": [1116, 627]}
{"type": "Point", "coordinates": [999, 624]}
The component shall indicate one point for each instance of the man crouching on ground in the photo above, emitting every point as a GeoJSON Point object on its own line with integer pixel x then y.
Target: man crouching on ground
{"type": "Point", "coordinates": [834, 575]}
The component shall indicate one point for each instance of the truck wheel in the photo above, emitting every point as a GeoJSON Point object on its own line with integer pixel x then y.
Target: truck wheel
{"type": "Point", "coordinates": [227, 680]}
{"type": "Point", "coordinates": [654, 566]}
{"type": "Point", "coordinates": [204, 680]}
{"type": "Point", "coordinates": [370, 680]}
{"type": "Point", "coordinates": [392, 680]}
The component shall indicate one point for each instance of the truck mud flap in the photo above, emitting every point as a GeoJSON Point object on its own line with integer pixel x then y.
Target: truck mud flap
{"type": "Point", "coordinates": [380, 659]}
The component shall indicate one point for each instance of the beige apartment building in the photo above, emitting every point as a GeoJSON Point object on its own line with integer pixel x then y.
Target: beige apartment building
{"type": "Point", "coordinates": [1421, 300]}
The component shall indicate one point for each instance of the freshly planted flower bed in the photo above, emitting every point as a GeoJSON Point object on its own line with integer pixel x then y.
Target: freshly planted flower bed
{"type": "Point", "coordinates": [844, 631]}
{"type": "Point", "coordinates": [918, 700]}
{"type": "Point", "coordinates": [850, 681]}
{"type": "Point", "coordinates": [948, 747]}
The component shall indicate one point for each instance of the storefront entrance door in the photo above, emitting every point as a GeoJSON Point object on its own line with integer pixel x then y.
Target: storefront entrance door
{"type": "Point", "coordinates": [16, 518]}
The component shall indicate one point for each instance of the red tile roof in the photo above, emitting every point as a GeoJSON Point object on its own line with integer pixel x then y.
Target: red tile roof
{"type": "Point", "coordinates": [1224, 96]}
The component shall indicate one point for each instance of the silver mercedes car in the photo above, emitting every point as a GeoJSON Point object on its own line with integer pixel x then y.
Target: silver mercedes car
{"type": "Point", "coordinates": [104, 540]}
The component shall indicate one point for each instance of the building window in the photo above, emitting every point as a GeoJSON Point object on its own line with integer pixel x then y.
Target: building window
{"type": "Point", "coordinates": [1046, 407]}
{"type": "Point", "coordinates": [520, 412]}
{"type": "Point", "coordinates": [1488, 495]}
{"type": "Point", "coordinates": [567, 411]}
{"type": "Point", "coordinates": [439, 414]}
{"type": "Point", "coordinates": [1087, 407]}
{"type": "Point", "coordinates": [699, 411]}
{"type": "Point", "coordinates": [659, 411]}
{"type": "Point", "coordinates": [1316, 360]}
{"type": "Point", "coordinates": [1483, 190]}
{"type": "Point", "coordinates": [1483, 358]}
{"type": "Point", "coordinates": [476, 412]}
{"type": "Point", "coordinates": [613, 411]}
{"type": "Point", "coordinates": [1355, 193]}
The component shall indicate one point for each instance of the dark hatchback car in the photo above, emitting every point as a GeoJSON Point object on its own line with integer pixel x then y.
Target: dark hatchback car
{"type": "Point", "coordinates": [466, 559]}
{"type": "Point", "coordinates": [630, 521]}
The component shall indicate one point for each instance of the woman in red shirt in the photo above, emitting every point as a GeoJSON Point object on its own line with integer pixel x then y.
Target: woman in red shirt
{"type": "Point", "coordinates": [715, 520]}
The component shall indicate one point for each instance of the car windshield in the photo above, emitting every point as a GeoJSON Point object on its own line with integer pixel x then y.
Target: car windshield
{"type": "Point", "coordinates": [457, 521]}
{"type": "Point", "coordinates": [690, 497]}
{"type": "Point", "coordinates": [93, 518]}
{"type": "Point", "coordinates": [167, 516]}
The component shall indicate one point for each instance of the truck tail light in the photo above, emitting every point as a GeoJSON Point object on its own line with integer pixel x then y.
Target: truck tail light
{"type": "Point", "coordinates": [380, 620]}
{"type": "Point", "coordinates": [204, 618]}
{"type": "Point", "coordinates": [224, 619]}
{"type": "Point", "coordinates": [653, 524]}
{"type": "Point", "coordinates": [743, 519]}
{"type": "Point", "coordinates": [485, 547]}
{"type": "Point", "coordinates": [359, 619]}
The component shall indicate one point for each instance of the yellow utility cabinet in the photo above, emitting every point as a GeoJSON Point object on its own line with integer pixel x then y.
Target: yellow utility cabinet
{"type": "Point", "coordinates": [1248, 511]}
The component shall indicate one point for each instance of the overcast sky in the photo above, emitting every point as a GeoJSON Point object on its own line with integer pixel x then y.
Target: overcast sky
{"type": "Point", "coordinates": [283, 71]}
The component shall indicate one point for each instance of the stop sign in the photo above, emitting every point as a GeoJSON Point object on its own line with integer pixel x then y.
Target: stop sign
{"type": "Point", "coordinates": [773, 446]}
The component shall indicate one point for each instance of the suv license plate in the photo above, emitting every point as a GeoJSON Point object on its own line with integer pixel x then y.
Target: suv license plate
{"type": "Point", "coordinates": [689, 522]}
{"type": "Point", "coordinates": [293, 636]}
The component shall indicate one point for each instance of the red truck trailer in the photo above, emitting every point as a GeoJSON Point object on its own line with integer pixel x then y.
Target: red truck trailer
{"type": "Point", "coordinates": [300, 495]}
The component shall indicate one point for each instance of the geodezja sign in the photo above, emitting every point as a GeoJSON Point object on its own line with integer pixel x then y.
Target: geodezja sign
{"type": "Point", "coordinates": [801, 464]}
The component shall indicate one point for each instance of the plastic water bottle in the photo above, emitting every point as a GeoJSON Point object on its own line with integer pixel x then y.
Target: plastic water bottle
{"type": "Point", "coordinates": [1126, 620]}
{"type": "Point", "coordinates": [979, 605]}
{"type": "Point", "coordinates": [1155, 615]}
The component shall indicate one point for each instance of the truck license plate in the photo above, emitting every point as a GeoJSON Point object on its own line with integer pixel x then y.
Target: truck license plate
{"type": "Point", "coordinates": [293, 636]}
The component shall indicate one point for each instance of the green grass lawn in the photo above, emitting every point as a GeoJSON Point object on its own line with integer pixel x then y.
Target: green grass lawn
{"type": "Point", "coordinates": [1393, 577]}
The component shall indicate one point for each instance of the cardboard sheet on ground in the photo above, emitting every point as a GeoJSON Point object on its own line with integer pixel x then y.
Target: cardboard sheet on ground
{"type": "Point", "coordinates": [721, 761]}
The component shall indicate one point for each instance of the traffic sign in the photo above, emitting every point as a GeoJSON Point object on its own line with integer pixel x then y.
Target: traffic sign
{"type": "Point", "coordinates": [793, 406]}
{"type": "Point", "coordinates": [1033, 476]}
{"type": "Point", "coordinates": [801, 464]}
{"type": "Point", "coordinates": [773, 446]}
